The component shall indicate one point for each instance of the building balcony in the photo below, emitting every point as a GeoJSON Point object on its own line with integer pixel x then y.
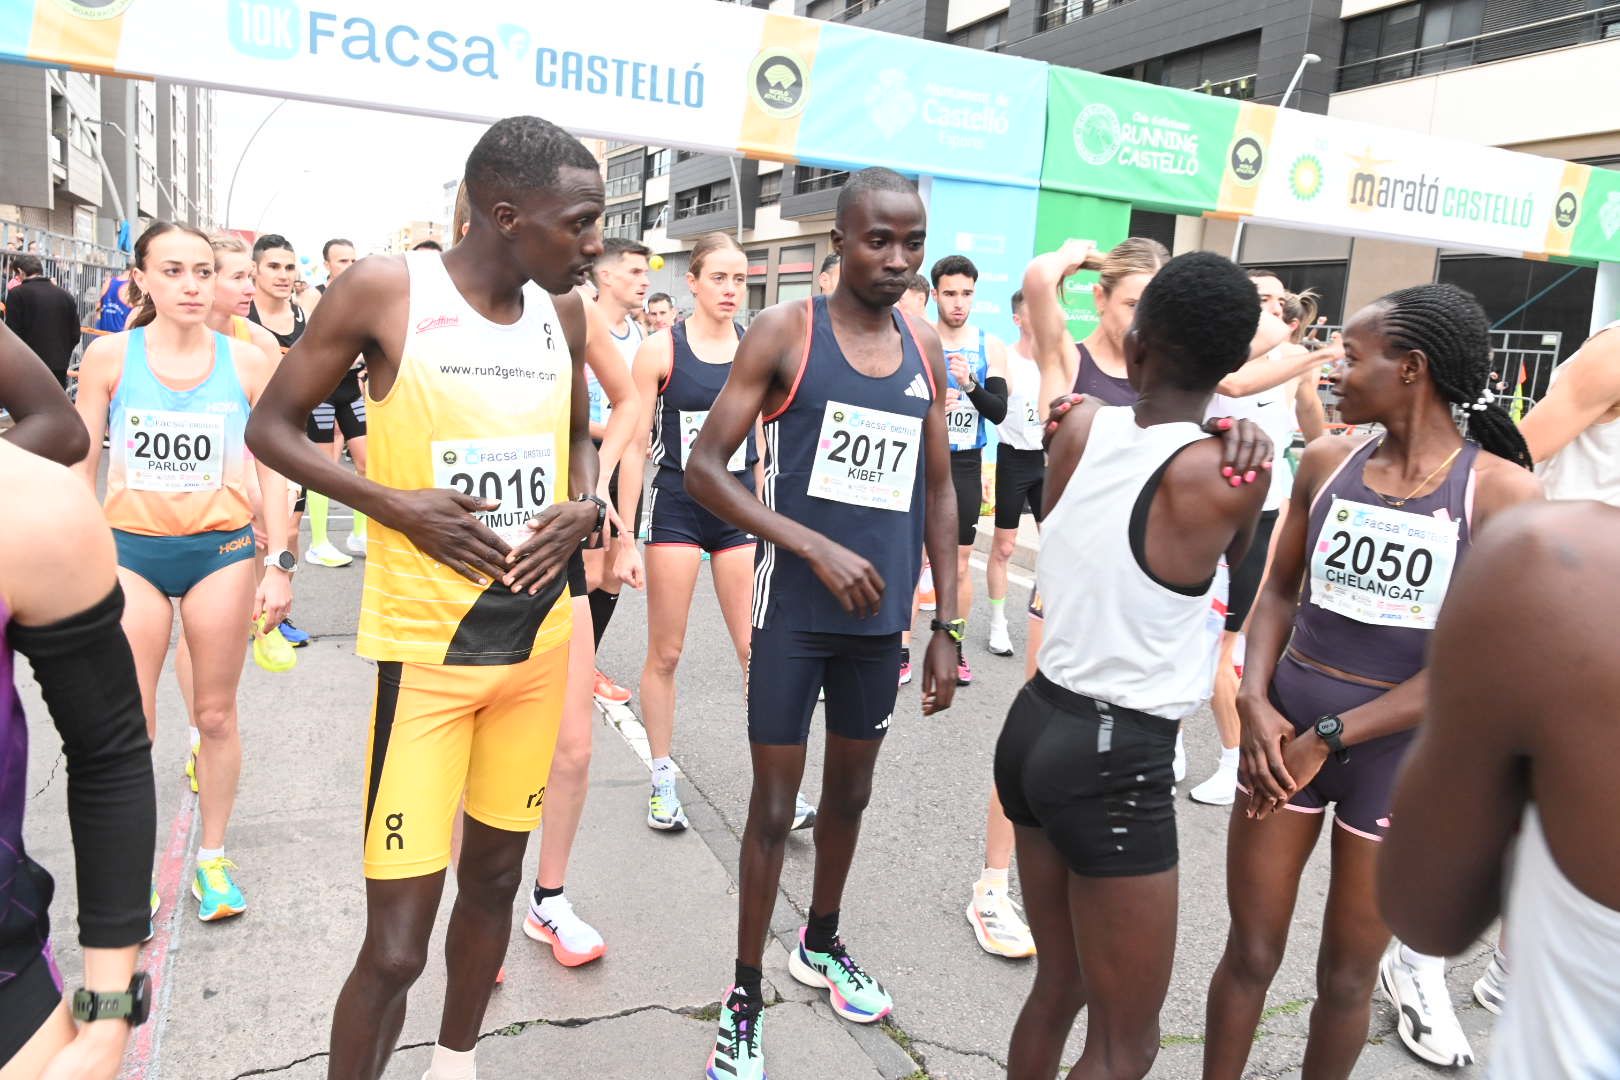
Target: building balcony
{"type": "Point", "coordinates": [810, 192]}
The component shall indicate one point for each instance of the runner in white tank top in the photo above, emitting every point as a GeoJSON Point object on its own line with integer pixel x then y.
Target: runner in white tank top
{"type": "Point", "coordinates": [1574, 432]}
{"type": "Point", "coordinates": [1507, 799]}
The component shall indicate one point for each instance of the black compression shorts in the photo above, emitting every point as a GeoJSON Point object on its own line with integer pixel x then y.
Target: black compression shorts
{"type": "Point", "coordinates": [1020, 484]}
{"type": "Point", "coordinates": [1245, 580]}
{"type": "Point", "coordinates": [966, 471]}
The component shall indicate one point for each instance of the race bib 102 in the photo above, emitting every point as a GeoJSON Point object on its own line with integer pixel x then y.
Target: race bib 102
{"type": "Point", "coordinates": [962, 422]}
{"type": "Point", "coordinates": [1383, 566]}
{"type": "Point", "coordinates": [174, 451]}
{"type": "Point", "coordinates": [866, 457]}
{"type": "Point", "coordinates": [519, 472]}
{"type": "Point", "coordinates": [691, 424]}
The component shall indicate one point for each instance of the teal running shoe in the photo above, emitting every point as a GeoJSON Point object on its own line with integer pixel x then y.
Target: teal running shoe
{"type": "Point", "coordinates": [217, 895]}
{"type": "Point", "coordinates": [854, 994]}
{"type": "Point", "coordinates": [737, 1054]}
{"type": "Point", "coordinates": [664, 811]}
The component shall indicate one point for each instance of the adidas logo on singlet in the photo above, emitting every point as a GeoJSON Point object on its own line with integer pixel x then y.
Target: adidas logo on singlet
{"type": "Point", "coordinates": [918, 388]}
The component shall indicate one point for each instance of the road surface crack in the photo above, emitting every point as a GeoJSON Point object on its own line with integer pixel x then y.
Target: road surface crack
{"type": "Point", "coordinates": [56, 767]}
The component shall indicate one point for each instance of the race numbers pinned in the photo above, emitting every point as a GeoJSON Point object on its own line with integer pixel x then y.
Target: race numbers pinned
{"type": "Point", "coordinates": [174, 451]}
{"type": "Point", "coordinates": [692, 423]}
{"type": "Point", "coordinates": [519, 472]}
{"type": "Point", "coordinates": [866, 457]}
{"type": "Point", "coordinates": [1383, 566]}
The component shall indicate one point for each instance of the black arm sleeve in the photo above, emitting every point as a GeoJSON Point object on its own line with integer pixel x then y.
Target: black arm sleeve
{"type": "Point", "coordinates": [87, 675]}
{"type": "Point", "coordinates": [991, 399]}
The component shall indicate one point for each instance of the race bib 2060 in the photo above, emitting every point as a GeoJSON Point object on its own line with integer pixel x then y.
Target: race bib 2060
{"type": "Point", "coordinates": [174, 451]}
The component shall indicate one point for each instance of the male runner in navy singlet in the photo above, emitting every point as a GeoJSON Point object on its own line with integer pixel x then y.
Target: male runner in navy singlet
{"type": "Point", "coordinates": [852, 396]}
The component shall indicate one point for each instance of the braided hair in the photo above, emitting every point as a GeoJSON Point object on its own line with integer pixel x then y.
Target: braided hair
{"type": "Point", "coordinates": [1448, 326]}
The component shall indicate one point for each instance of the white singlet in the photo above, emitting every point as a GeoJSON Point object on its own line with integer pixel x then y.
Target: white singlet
{"type": "Point", "coordinates": [1273, 410]}
{"type": "Point", "coordinates": [1589, 467]}
{"type": "Point", "coordinates": [1562, 1015]}
{"type": "Point", "coordinates": [1021, 430]}
{"type": "Point", "coordinates": [1113, 632]}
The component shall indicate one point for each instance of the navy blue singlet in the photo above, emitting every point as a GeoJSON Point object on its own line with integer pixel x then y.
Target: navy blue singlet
{"type": "Point", "coordinates": [684, 400]}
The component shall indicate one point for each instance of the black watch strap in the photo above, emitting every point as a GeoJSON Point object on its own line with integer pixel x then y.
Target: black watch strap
{"type": "Point", "coordinates": [132, 1005]}
{"type": "Point", "coordinates": [1330, 729]}
{"type": "Point", "coordinates": [957, 628]}
{"type": "Point", "coordinates": [601, 518]}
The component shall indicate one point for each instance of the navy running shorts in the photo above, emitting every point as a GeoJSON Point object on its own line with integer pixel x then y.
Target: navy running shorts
{"type": "Point", "coordinates": [1096, 778]}
{"type": "Point", "coordinates": [787, 670]}
{"type": "Point", "coordinates": [677, 519]}
{"type": "Point", "coordinates": [1360, 789]}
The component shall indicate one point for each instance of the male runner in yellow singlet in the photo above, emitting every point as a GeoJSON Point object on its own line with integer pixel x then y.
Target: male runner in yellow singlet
{"type": "Point", "coordinates": [479, 435]}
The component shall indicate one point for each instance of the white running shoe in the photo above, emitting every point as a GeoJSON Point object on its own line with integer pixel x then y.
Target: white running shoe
{"type": "Point", "coordinates": [1425, 1020]}
{"type": "Point", "coordinates": [998, 926]}
{"type": "Point", "coordinates": [804, 815]}
{"type": "Point", "coordinates": [1491, 988]}
{"type": "Point", "coordinates": [1179, 764]}
{"type": "Point", "coordinates": [573, 941]}
{"type": "Point", "coordinates": [356, 545]}
{"type": "Point", "coordinates": [664, 811]}
{"type": "Point", "coordinates": [327, 555]}
{"type": "Point", "coordinates": [1219, 790]}
{"type": "Point", "coordinates": [1000, 644]}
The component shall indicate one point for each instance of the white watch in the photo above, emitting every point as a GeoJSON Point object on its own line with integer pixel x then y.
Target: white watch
{"type": "Point", "coordinates": [283, 560]}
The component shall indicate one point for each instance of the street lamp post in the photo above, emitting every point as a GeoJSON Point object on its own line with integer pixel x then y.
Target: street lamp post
{"type": "Point", "coordinates": [1293, 84]}
{"type": "Point", "coordinates": [230, 192]}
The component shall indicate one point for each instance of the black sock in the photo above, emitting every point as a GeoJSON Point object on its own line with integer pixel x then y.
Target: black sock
{"type": "Point", "coordinates": [821, 931]}
{"type": "Point", "coordinates": [748, 979]}
{"type": "Point", "coordinates": [602, 605]}
{"type": "Point", "coordinates": [905, 656]}
{"type": "Point", "coordinates": [541, 893]}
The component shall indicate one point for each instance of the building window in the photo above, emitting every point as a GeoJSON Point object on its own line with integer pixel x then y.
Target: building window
{"type": "Point", "coordinates": [615, 144]}
{"type": "Point", "coordinates": [623, 177]}
{"type": "Point", "coordinates": [624, 223]}
{"type": "Point", "coordinates": [770, 189]}
{"type": "Point", "coordinates": [685, 155]}
{"type": "Point", "coordinates": [811, 178]}
{"type": "Point", "coordinates": [708, 199]}
{"type": "Point", "coordinates": [1443, 35]}
{"type": "Point", "coordinates": [984, 34]}
{"type": "Point", "coordinates": [1055, 13]}
{"type": "Point", "coordinates": [839, 10]}
{"type": "Point", "coordinates": [658, 163]}
{"type": "Point", "coordinates": [652, 217]}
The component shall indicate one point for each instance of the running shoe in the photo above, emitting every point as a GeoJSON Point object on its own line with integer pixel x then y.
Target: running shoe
{"type": "Point", "coordinates": [1491, 989]}
{"type": "Point", "coordinates": [664, 811]}
{"type": "Point", "coordinates": [1000, 643]}
{"type": "Point", "coordinates": [151, 921]}
{"type": "Point", "coordinates": [294, 636]}
{"type": "Point", "coordinates": [155, 900]}
{"type": "Point", "coordinates": [964, 673]}
{"type": "Point", "coordinates": [854, 994]}
{"type": "Point", "coordinates": [271, 651]}
{"type": "Point", "coordinates": [804, 815]}
{"type": "Point", "coordinates": [1425, 1020]}
{"type": "Point", "coordinates": [356, 545]}
{"type": "Point", "coordinates": [1219, 790]}
{"type": "Point", "coordinates": [998, 926]}
{"type": "Point", "coordinates": [609, 692]}
{"type": "Point", "coordinates": [573, 941]}
{"type": "Point", "coordinates": [217, 895]}
{"type": "Point", "coordinates": [905, 672]}
{"type": "Point", "coordinates": [737, 1054]}
{"type": "Point", "coordinates": [327, 555]}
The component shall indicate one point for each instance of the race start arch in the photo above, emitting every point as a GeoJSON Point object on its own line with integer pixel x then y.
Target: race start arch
{"type": "Point", "coordinates": [1012, 155]}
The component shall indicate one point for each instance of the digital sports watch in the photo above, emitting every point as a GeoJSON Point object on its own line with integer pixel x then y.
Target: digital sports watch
{"type": "Point", "coordinates": [1330, 729]}
{"type": "Point", "coordinates": [957, 628]}
{"type": "Point", "coordinates": [133, 1004]}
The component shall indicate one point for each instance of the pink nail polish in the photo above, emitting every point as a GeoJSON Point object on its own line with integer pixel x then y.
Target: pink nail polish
{"type": "Point", "coordinates": [1237, 481]}
{"type": "Point", "coordinates": [1225, 425]}
{"type": "Point", "coordinates": [1226, 471]}
{"type": "Point", "coordinates": [1248, 477]}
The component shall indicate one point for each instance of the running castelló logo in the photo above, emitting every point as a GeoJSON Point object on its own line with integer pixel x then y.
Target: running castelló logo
{"type": "Point", "coordinates": [95, 10]}
{"type": "Point", "coordinates": [779, 82]}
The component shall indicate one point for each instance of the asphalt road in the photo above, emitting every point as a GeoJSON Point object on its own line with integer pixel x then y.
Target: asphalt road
{"type": "Point", "coordinates": [253, 997]}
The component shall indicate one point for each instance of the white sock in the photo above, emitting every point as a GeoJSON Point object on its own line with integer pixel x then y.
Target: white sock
{"type": "Point", "coordinates": [196, 737]}
{"type": "Point", "coordinates": [1423, 961]}
{"type": "Point", "coordinates": [1240, 650]}
{"type": "Point", "coordinates": [663, 770]}
{"type": "Point", "coordinates": [1229, 759]}
{"type": "Point", "coordinates": [993, 879]}
{"type": "Point", "coordinates": [452, 1065]}
{"type": "Point", "coordinates": [206, 853]}
{"type": "Point", "coordinates": [1181, 746]}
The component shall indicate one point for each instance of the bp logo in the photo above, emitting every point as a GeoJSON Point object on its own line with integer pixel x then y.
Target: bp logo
{"type": "Point", "coordinates": [1305, 178]}
{"type": "Point", "coordinates": [449, 457]}
{"type": "Point", "coordinates": [1343, 515]}
{"type": "Point", "coordinates": [1096, 134]}
{"type": "Point", "coordinates": [95, 9]}
{"type": "Point", "coordinates": [134, 420]}
{"type": "Point", "coordinates": [1247, 159]}
{"type": "Point", "coordinates": [779, 81]}
{"type": "Point", "coordinates": [838, 417]}
{"type": "Point", "coordinates": [1566, 210]}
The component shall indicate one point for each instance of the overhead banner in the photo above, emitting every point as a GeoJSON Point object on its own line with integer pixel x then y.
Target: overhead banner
{"type": "Point", "coordinates": [1163, 149]}
{"type": "Point", "coordinates": [923, 107]}
{"type": "Point", "coordinates": [1062, 216]}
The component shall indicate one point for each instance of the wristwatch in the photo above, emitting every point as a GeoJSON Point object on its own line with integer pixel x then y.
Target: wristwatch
{"type": "Point", "coordinates": [133, 1004]}
{"type": "Point", "coordinates": [1330, 729]}
{"type": "Point", "coordinates": [601, 520]}
{"type": "Point", "coordinates": [282, 560]}
{"type": "Point", "coordinates": [957, 628]}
